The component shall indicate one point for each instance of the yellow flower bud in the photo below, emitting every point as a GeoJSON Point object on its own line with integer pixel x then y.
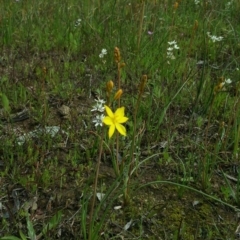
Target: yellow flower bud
{"type": "Point", "coordinates": [117, 55]}
{"type": "Point", "coordinates": [218, 87]}
{"type": "Point", "coordinates": [142, 83]}
{"type": "Point", "coordinates": [195, 25]}
{"type": "Point", "coordinates": [109, 86]}
{"type": "Point", "coordinates": [175, 6]}
{"type": "Point", "coordinates": [122, 65]}
{"type": "Point", "coordinates": [118, 94]}
{"type": "Point", "coordinates": [44, 70]}
{"type": "Point", "coordinates": [222, 124]}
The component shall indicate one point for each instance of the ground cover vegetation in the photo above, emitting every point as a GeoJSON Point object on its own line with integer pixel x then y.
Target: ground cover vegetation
{"type": "Point", "coordinates": [119, 119]}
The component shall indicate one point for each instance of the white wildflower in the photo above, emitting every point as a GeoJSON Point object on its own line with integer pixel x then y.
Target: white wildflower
{"type": "Point", "coordinates": [103, 53]}
{"type": "Point", "coordinates": [172, 43]}
{"type": "Point", "coordinates": [214, 38]}
{"type": "Point", "coordinates": [228, 81]}
{"type": "Point", "coordinates": [98, 120]}
{"type": "Point", "coordinates": [78, 22]}
{"type": "Point", "coordinates": [176, 46]}
{"type": "Point", "coordinates": [99, 106]}
{"type": "Point", "coordinates": [100, 101]}
{"type": "Point", "coordinates": [170, 49]}
{"type": "Point", "coordinates": [229, 4]}
{"type": "Point", "coordinates": [170, 55]}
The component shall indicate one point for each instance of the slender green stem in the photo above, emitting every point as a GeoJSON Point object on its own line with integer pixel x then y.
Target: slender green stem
{"type": "Point", "coordinates": [119, 104]}
{"type": "Point", "coordinates": [95, 188]}
{"type": "Point", "coordinates": [204, 163]}
{"type": "Point", "coordinates": [237, 124]}
{"type": "Point", "coordinates": [117, 154]}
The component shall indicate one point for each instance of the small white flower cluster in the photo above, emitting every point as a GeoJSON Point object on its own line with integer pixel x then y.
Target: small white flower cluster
{"type": "Point", "coordinates": [98, 120]}
{"type": "Point", "coordinates": [103, 53]}
{"type": "Point", "coordinates": [196, 2]}
{"type": "Point", "coordinates": [99, 109]}
{"type": "Point", "coordinates": [228, 4]}
{"type": "Point", "coordinates": [214, 38]}
{"type": "Point", "coordinates": [77, 23]}
{"type": "Point", "coordinates": [172, 45]}
{"type": "Point", "coordinates": [227, 81]}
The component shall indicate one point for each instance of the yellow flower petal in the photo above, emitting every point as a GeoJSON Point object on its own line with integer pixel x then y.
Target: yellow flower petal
{"type": "Point", "coordinates": [120, 112]}
{"type": "Point", "coordinates": [108, 121]}
{"type": "Point", "coordinates": [122, 120]}
{"type": "Point", "coordinates": [121, 129]}
{"type": "Point", "coordinates": [111, 130]}
{"type": "Point", "coordinates": [109, 111]}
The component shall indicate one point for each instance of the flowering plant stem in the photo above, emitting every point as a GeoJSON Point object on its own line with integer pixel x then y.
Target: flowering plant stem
{"type": "Point", "coordinates": [91, 222]}
{"type": "Point", "coordinates": [117, 59]}
{"type": "Point", "coordinates": [117, 154]}
{"type": "Point", "coordinates": [117, 135]}
{"type": "Point", "coordinates": [237, 124]}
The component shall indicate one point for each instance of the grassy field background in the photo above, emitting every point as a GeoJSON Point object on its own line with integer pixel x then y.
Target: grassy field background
{"type": "Point", "coordinates": [178, 164]}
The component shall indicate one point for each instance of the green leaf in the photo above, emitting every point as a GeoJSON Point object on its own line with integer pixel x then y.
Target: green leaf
{"type": "Point", "coordinates": [31, 231]}
{"type": "Point", "coordinates": [72, 42]}
{"type": "Point", "coordinates": [22, 235]}
{"type": "Point", "coordinates": [10, 238]}
{"type": "Point", "coordinates": [5, 102]}
{"type": "Point", "coordinates": [53, 222]}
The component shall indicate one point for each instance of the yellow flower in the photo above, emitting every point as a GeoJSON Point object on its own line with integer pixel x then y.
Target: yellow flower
{"type": "Point", "coordinates": [114, 120]}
